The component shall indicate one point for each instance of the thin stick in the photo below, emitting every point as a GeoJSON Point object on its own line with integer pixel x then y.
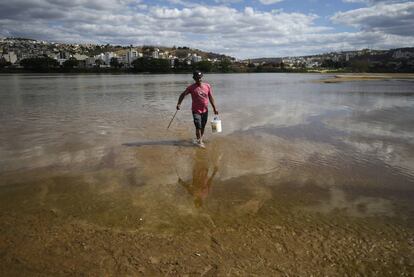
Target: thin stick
{"type": "Point", "coordinates": [172, 119]}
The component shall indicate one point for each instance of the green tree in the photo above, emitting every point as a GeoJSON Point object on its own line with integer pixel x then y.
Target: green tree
{"type": "Point", "coordinates": [329, 63]}
{"type": "Point", "coordinates": [224, 65]}
{"type": "Point", "coordinates": [114, 62]}
{"type": "Point", "coordinates": [4, 63]}
{"type": "Point", "coordinates": [141, 65]}
{"type": "Point", "coordinates": [181, 66]}
{"type": "Point", "coordinates": [360, 65]}
{"type": "Point", "coordinates": [70, 63]}
{"type": "Point", "coordinates": [40, 64]}
{"type": "Point", "coordinates": [203, 66]}
{"type": "Point", "coordinates": [98, 62]}
{"type": "Point", "coordinates": [161, 65]}
{"type": "Point", "coordinates": [151, 65]}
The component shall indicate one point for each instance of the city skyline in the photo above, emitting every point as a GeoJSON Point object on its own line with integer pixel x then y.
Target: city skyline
{"type": "Point", "coordinates": [242, 29]}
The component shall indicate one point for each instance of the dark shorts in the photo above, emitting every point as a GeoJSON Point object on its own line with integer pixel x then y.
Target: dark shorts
{"type": "Point", "coordinates": [200, 120]}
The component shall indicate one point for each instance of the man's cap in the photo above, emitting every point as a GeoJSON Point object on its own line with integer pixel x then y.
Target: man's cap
{"type": "Point", "coordinates": [197, 74]}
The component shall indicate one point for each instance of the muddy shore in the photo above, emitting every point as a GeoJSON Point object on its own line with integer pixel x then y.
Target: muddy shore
{"type": "Point", "coordinates": [268, 231]}
{"type": "Point", "coordinates": [367, 76]}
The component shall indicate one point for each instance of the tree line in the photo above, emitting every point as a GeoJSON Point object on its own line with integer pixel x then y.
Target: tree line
{"type": "Point", "coordinates": [140, 65]}
{"type": "Point", "coordinates": [152, 65]}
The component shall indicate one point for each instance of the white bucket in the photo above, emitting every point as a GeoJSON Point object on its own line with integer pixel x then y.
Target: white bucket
{"type": "Point", "coordinates": [216, 125]}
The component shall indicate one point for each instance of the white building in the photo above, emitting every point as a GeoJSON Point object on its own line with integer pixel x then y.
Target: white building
{"type": "Point", "coordinates": [163, 55]}
{"type": "Point", "coordinates": [312, 64]}
{"type": "Point", "coordinates": [108, 56]}
{"type": "Point", "coordinates": [401, 54]}
{"type": "Point", "coordinates": [132, 55]}
{"type": "Point", "coordinates": [122, 58]}
{"type": "Point", "coordinates": [336, 58]}
{"type": "Point", "coordinates": [195, 58]}
{"type": "Point", "coordinates": [172, 59]}
{"type": "Point", "coordinates": [90, 62]}
{"type": "Point", "coordinates": [61, 61]}
{"type": "Point", "coordinates": [10, 57]}
{"type": "Point", "coordinates": [347, 57]}
{"type": "Point", "coordinates": [156, 53]}
{"type": "Point", "coordinates": [80, 57]}
{"type": "Point", "coordinates": [100, 57]}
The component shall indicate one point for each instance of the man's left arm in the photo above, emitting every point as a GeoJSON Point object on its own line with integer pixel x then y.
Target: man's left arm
{"type": "Point", "coordinates": [213, 103]}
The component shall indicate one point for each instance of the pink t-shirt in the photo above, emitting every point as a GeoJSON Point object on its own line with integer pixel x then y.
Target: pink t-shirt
{"type": "Point", "coordinates": [199, 95]}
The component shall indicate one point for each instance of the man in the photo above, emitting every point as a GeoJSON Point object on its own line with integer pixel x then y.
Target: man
{"type": "Point", "coordinates": [200, 94]}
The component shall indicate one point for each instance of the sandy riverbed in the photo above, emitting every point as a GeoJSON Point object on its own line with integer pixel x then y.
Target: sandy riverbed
{"type": "Point", "coordinates": [367, 76]}
{"type": "Point", "coordinates": [272, 224]}
{"type": "Point", "coordinates": [306, 178]}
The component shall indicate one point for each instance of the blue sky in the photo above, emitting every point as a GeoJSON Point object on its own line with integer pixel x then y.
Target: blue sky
{"type": "Point", "coordinates": [240, 28]}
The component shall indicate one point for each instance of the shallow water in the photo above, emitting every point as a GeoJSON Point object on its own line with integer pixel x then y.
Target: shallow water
{"type": "Point", "coordinates": [295, 154]}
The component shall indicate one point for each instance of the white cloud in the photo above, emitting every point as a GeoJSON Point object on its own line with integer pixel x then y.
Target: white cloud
{"type": "Point", "coordinates": [219, 28]}
{"type": "Point", "coordinates": [374, 2]}
{"type": "Point", "coordinates": [183, 3]}
{"type": "Point", "coordinates": [270, 2]}
{"type": "Point", "coordinates": [395, 19]}
{"type": "Point", "coordinates": [227, 1]}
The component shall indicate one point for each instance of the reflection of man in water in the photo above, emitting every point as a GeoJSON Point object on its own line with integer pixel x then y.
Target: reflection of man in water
{"type": "Point", "coordinates": [200, 186]}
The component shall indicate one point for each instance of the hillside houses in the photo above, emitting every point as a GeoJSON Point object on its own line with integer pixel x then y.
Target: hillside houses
{"type": "Point", "coordinates": [90, 56]}
{"type": "Point", "coordinates": [13, 50]}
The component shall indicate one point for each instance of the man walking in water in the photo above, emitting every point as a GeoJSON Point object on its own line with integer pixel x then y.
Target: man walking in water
{"type": "Point", "coordinates": [201, 93]}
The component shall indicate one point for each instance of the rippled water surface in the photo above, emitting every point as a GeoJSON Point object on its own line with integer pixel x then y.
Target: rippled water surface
{"type": "Point", "coordinates": [96, 148]}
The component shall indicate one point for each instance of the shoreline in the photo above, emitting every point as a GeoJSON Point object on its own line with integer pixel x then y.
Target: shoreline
{"type": "Point", "coordinates": [347, 77]}
{"type": "Point", "coordinates": [338, 74]}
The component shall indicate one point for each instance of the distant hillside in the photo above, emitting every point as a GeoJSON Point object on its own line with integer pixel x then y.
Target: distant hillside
{"type": "Point", "coordinates": [184, 51]}
{"type": "Point", "coordinates": [95, 49]}
{"type": "Point", "coordinates": [372, 53]}
{"type": "Point", "coordinates": [364, 60]}
{"type": "Point", "coordinates": [265, 60]}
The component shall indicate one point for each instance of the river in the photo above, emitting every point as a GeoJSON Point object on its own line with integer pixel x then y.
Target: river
{"type": "Point", "coordinates": [306, 178]}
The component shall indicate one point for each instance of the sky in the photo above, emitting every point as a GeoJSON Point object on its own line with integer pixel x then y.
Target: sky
{"type": "Point", "coordinates": [239, 28]}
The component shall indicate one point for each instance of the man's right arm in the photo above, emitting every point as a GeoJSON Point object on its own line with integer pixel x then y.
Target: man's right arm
{"type": "Point", "coordinates": [180, 99]}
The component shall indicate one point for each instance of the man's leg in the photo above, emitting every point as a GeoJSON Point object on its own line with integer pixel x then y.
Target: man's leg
{"type": "Point", "coordinates": [197, 124]}
{"type": "Point", "coordinates": [204, 117]}
{"type": "Point", "coordinates": [199, 136]}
